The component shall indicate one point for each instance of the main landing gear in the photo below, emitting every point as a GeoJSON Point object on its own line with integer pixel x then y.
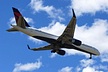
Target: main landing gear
{"type": "Point", "coordinates": [90, 56]}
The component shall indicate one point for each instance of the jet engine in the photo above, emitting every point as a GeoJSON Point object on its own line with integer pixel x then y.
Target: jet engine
{"type": "Point", "coordinates": [76, 42]}
{"type": "Point", "coordinates": [61, 52]}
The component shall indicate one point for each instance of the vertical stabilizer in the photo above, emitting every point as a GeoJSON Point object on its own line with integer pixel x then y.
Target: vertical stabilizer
{"type": "Point", "coordinates": [20, 21]}
{"type": "Point", "coordinates": [18, 16]}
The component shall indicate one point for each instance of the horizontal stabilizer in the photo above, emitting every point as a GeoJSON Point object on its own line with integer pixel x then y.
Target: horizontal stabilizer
{"type": "Point", "coordinates": [12, 30]}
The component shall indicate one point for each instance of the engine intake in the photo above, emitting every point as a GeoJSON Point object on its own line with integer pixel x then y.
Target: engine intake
{"type": "Point", "coordinates": [76, 42]}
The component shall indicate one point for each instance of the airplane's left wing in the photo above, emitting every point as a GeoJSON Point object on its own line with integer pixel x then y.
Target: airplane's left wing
{"type": "Point", "coordinates": [49, 47]}
{"type": "Point", "coordinates": [69, 30]}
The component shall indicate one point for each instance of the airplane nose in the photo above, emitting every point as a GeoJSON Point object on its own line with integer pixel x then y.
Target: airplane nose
{"type": "Point", "coordinates": [97, 53]}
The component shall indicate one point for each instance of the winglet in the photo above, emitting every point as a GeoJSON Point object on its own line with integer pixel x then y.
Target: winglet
{"type": "Point", "coordinates": [73, 13]}
{"type": "Point", "coordinates": [28, 46]}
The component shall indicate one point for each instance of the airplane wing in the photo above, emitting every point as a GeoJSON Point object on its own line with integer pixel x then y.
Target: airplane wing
{"type": "Point", "coordinates": [49, 47]}
{"type": "Point", "coordinates": [69, 30]}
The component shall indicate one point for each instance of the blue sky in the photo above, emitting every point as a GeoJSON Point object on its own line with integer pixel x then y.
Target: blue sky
{"type": "Point", "coordinates": [52, 17]}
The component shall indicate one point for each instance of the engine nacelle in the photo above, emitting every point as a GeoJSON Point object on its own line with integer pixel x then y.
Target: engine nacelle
{"type": "Point", "coordinates": [61, 52]}
{"type": "Point", "coordinates": [76, 42]}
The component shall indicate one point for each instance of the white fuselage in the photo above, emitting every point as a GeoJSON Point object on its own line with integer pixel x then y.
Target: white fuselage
{"type": "Point", "coordinates": [32, 32]}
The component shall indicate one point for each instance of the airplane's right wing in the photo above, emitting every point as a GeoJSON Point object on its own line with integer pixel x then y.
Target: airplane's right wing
{"type": "Point", "coordinates": [49, 47]}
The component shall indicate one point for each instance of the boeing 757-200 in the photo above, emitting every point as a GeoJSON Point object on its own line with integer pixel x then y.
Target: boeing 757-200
{"type": "Point", "coordinates": [66, 40]}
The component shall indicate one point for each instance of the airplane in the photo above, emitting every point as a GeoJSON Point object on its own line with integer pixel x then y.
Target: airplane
{"type": "Point", "coordinates": [65, 40]}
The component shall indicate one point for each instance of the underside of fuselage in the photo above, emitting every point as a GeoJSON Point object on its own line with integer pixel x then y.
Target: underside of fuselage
{"type": "Point", "coordinates": [61, 45]}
